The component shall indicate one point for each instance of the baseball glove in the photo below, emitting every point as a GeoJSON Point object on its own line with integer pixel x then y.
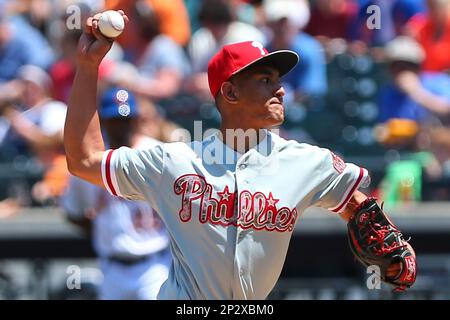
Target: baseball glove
{"type": "Point", "coordinates": [375, 240]}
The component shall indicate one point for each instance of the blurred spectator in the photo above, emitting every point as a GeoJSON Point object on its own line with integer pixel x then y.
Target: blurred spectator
{"type": "Point", "coordinates": [63, 70]}
{"type": "Point", "coordinates": [37, 45]}
{"type": "Point", "coordinates": [38, 13]}
{"type": "Point", "coordinates": [403, 10]}
{"type": "Point", "coordinates": [128, 236]}
{"type": "Point", "coordinates": [332, 18]}
{"type": "Point", "coordinates": [412, 94]}
{"type": "Point", "coordinates": [13, 53]}
{"type": "Point", "coordinates": [40, 126]}
{"type": "Point", "coordinates": [152, 123]}
{"type": "Point", "coordinates": [432, 31]}
{"type": "Point", "coordinates": [307, 81]}
{"type": "Point", "coordinates": [219, 27]}
{"type": "Point", "coordinates": [9, 207]}
{"type": "Point", "coordinates": [437, 140]}
{"type": "Point", "coordinates": [162, 64]}
{"type": "Point", "coordinates": [172, 15]}
{"type": "Point", "coordinates": [42, 122]}
{"type": "Point", "coordinates": [20, 44]}
{"type": "Point", "coordinates": [193, 7]}
{"type": "Point", "coordinates": [393, 15]}
{"type": "Point", "coordinates": [249, 11]}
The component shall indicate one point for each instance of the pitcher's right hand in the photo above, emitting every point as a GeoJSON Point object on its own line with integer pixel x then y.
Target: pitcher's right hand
{"type": "Point", "coordinates": [93, 46]}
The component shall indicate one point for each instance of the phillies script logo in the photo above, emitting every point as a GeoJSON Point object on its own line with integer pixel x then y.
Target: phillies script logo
{"type": "Point", "coordinates": [255, 211]}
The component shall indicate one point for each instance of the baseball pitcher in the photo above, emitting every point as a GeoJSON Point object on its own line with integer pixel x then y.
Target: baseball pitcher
{"type": "Point", "coordinates": [231, 202]}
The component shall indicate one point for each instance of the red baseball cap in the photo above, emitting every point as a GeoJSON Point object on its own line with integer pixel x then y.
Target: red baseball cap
{"type": "Point", "coordinates": [236, 57]}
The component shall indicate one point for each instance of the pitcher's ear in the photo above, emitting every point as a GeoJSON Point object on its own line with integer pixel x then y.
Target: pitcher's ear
{"type": "Point", "coordinates": [229, 93]}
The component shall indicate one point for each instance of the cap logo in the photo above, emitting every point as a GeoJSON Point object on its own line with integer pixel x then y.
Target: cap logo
{"type": "Point", "coordinates": [122, 96]}
{"type": "Point", "coordinates": [259, 45]}
{"type": "Point", "coordinates": [124, 110]}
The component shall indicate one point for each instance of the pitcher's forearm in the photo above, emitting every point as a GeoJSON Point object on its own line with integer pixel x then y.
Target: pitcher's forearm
{"type": "Point", "coordinates": [357, 198]}
{"type": "Point", "coordinates": [82, 135]}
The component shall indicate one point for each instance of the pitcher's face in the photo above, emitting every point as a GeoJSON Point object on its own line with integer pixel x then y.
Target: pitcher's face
{"type": "Point", "coordinates": [260, 96]}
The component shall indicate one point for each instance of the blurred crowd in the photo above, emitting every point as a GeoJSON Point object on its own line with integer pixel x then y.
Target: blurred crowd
{"type": "Point", "coordinates": [373, 81]}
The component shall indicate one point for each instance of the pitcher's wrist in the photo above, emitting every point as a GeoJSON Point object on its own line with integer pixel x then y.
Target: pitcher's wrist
{"type": "Point", "coordinates": [88, 68]}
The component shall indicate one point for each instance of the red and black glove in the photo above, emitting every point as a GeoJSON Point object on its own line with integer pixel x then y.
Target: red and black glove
{"type": "Point", "coordinates": [375, 240]}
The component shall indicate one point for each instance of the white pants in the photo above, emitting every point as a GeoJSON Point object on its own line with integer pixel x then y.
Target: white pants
{"type": "Point", "coordinates": [140, 281]}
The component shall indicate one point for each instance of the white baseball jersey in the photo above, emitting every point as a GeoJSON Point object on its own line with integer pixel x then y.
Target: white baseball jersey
{"type": "Point", "coordinates": [230, 216]}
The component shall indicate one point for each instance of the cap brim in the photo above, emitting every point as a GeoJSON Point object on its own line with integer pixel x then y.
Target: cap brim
{"type": "Point", "coordinates": [283, 60]}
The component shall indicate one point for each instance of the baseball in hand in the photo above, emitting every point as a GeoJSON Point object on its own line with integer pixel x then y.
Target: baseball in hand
{"type": "Point", "coordinates": [111, 24]}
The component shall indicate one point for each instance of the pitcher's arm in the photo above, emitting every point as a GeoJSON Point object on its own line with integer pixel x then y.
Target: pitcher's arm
{"type": "Point", "coordinates": [83, 141]}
